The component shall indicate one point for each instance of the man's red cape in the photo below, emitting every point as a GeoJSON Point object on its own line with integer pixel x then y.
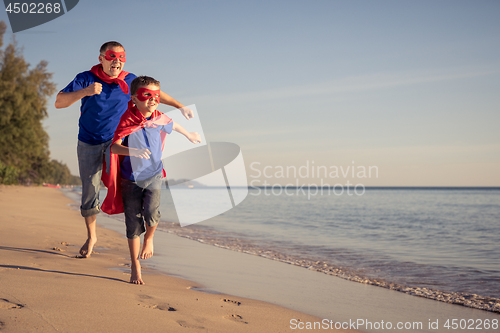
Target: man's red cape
{"type": "Point", "coordinates": [131, 121]}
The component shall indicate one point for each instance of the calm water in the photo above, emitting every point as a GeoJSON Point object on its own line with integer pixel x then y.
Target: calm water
{"type": "Point", "coordinates": [445, 239]}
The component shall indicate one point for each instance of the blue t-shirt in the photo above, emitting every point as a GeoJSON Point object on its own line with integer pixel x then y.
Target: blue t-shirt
{"type": "Point", "coordinates": [100, 114]}
{"type": "Point", "coordinates": [137, 169]}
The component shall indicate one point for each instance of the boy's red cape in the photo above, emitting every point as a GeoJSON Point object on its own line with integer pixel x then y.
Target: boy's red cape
{"type": "Point", "coordinates": [131, 121]}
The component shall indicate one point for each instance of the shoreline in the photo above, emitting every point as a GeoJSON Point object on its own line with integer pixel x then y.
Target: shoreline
{"type": "Point", "coordinates": [471, 300]}
{"type": "Point", "coordinates": [206, 235]}
{"type": "Point", "coordinates": [478, 297]}
{"type": "Point", "coordinates": [50, 290]}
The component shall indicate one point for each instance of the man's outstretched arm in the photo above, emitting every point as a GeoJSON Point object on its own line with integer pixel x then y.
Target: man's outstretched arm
{"type": "Point", "coordinates": [167, 99]}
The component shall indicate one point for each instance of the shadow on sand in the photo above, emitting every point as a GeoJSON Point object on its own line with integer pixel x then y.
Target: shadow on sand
{"type": "Point", "coordinates": [7, 248]}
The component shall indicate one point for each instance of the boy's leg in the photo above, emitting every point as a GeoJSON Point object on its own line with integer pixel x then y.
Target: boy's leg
{"type": "Point", "coordinates": [134, 246]}
{"type": "Point", "coordinates": [147, 247]}
{"type": "Point", "coordinates": [90, 165]}
{"type": "Point", "coordinates": [132, 204]}
{"type": "Point", "coordinates": [151, 213]}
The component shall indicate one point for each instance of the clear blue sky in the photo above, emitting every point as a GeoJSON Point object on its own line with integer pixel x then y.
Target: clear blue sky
{"type": "Point", "coordinates": [410, 87]}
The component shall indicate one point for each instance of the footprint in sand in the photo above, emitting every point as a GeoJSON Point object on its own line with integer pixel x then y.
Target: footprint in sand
{"type": "Point", "coordinates": [182, 323]}
{"type": "Point", "coordinates": [164, 307]}
{"type": "Point", "coordinates": [231, 301]}
{"type": "Point", "coordinates": [154, 305]}
{"type": "Point", "coordinates": [6, 304]}
{"type": "Point", "coordinates": [237, 318]}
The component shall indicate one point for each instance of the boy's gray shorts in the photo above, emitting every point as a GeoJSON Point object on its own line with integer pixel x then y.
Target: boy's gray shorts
{"type": "Point", "coordinates": [141, 204]}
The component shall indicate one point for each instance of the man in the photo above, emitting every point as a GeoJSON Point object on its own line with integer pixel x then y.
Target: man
{"type": "Point", "coordinates": [105, 93]}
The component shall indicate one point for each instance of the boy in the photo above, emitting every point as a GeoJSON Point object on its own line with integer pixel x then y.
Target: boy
{"type": "Point", "coordinates": [104, 92]}
{"type": "Point", "coordinates": [139, 139]}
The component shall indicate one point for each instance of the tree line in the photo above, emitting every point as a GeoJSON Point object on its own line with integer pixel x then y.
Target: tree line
{"type": "Point", "coordinates": [24, 143]}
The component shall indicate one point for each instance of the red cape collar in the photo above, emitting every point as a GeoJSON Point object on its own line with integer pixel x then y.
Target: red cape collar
{"type": "Point", "coordinates": [120, 80]}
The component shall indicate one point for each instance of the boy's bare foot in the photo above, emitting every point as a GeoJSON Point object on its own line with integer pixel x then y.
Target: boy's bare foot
{"type": "Point", "coordinates": [136, 277]}
{"type": "Point", "coordinates": [147, 248]}
{"type": "Point", "coordinates": [87, 248]}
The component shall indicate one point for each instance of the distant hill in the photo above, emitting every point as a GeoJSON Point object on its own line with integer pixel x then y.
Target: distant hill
{"type": "Point", "coordinates": [184, 182]}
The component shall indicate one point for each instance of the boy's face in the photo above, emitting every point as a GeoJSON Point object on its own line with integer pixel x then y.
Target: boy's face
{"type": "Point", "coordinates": [147, 98]}
{"type": "Point", "coordinates": [115, 66]}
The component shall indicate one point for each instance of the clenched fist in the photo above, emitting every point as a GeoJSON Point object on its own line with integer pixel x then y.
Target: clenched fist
{"type": "Point", "coordinates": [94, 89]}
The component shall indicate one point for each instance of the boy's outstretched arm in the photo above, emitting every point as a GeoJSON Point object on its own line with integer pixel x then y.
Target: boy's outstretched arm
{"type": "Point", "coordinates": [65, 99]}
{"type": "Point", "coordinates": [194, 137]}
{"type": "Point", "coordinates": [167, 99]}
{"type": "Point", "coordinates": [119, 149]}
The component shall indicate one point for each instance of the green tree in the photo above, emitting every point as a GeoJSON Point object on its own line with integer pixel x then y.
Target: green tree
{"type": "Point", "coordinates": [24, 144]}
{"type": "Point", "coordinates": [8, 174]}
{"type": "Point", "coordinates": [58, 173]}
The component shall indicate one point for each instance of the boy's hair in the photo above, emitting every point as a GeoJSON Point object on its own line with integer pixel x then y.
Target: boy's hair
{"type": "Point", "coordinates": [142, 81]}
{"type": "Point", "coordinates": [107, 45]}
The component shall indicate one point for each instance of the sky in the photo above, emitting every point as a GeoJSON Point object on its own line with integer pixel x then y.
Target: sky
{"type": "Point", "coordinates": [406, 88]}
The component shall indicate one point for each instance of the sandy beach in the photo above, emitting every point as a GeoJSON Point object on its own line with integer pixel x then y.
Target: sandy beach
{"type": "Point", "coordinates": [45, 288]}
{"type": "Point", "coordinates": [190, 286]}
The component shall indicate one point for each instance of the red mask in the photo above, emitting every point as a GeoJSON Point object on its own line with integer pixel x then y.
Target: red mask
{"type": "Point", "coordinates": [112, 55]}
{"type": "Point", "coordinates": [141, 94]}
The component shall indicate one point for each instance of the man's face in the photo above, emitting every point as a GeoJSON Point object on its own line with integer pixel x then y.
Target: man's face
{"type": "Point", "coordinates": [150, 99]}
{"type": "Point", "coordinates": [112, 67]}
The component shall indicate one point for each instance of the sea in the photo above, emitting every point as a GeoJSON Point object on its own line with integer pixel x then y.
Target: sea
{"type": "Point", "coordinates": [443, 240]}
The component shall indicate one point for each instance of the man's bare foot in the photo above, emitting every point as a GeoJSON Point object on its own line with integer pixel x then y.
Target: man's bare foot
{"type": "Point", "coordinates": [87, 248]}
{"type": "Point", "coordinates": [136, 277]}
{"type": "Point", "coordinates": [147, 248]}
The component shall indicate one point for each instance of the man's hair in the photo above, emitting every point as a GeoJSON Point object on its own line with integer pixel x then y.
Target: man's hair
{"type": "Point", "coordinates": [142, 81]}
{"type": "Point", "coordinates": [107, 45]}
